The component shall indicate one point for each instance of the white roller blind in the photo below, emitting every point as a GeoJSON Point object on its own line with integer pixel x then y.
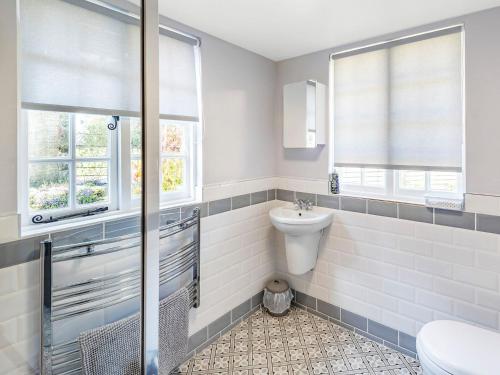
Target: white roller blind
{"type": "Point", "coordinates": [399, 106]}
{"type": "Point", "coordinates": [76, 54]}
{"type": "Point", "coordinates": [73, 56]}
{"type": "Point", "coordinates": [178, 90]}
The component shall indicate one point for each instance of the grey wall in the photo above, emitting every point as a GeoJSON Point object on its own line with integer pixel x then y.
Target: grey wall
{"type": "Point", "coordinates": [238, 104]}
{"type": "Point", "coordinates": [8, 107]}
{"type": "Point", "coordinates": [238, 92]}
{"type": "Point", "coordinates": [482, 64]}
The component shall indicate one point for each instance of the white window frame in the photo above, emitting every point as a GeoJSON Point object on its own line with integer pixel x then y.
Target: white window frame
{"type": "Point", "coordinates": [186, 155]}
{"type": "Point", "coordinates": [392, 191]}
{"type": "Point", "coordinates": [73, 207]}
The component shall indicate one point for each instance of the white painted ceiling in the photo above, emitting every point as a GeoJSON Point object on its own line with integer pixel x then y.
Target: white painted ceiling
{"type": "Point", "coordinates": [280, 29]}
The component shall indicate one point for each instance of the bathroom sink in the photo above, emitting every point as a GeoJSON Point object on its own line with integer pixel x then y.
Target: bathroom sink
{"type": "Point", "coordinates": [296, 222]}
{"type": "Point", "coordinates": [302, 229]}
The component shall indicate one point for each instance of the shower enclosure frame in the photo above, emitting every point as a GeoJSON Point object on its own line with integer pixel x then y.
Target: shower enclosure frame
{"type": "Point", "coordinates": [150, 197]}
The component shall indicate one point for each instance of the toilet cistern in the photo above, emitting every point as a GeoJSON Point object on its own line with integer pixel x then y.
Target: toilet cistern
{"type": "Point", "coordinates": [302, 226]}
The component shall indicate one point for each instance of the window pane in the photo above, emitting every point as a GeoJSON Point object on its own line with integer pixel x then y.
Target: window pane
{"type": "Point", "coordinates": [350, 176]}
{"type": "Point", "coordinates": [172, 138]}
{"type": "Point", "coordinates": [136, 177]}
{"type": "Point", "coordinates": [172, 174]}
{"type": "Point", "coordinates": [48, 134]}
{"type": "Point", "coordinates": [91, 135]}
{"type": "Point", "coordinates": [374, 177]}
{"type": "Point", "coordinates": [444, 181]}
{"type": "Point", "coordinates": [412, 180]}
{"type": "Point", "coordinates": [135, 137]}
{"type": "Point", "coordinates": [91, 182]}
{"type": "Point", "coordinates": [49, 186]}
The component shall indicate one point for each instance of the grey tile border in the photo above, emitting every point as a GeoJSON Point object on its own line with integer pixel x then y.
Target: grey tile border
{"type": "Point", "coordinates": [187, 211]}
{"type": "Point", "coordinates": [488, 223]}
{"type": "Point", "coordinates": [240, 201]}
{"type": "Point", "coordinates": [415, 212]}
{"type": "Point", "coordinates": [285, 195]}
{"type": "Point", "coordinates": [271, 194]}
{"type": "Point", "coordinates": [219, 324]}
{"type": "Point", "coordinates": [407, 342]}
{"type": "Point", "coordinates": [385, 333]}
{"type": "Point", "coordinates": [19, 252]}
{"type": "Point", "coordinates": [342, 324]}
{"type": "Point", "coordinates": [306, 196]}
{"type": "Point", "coordinates": [355, 320]}
{"type": "Point", "coordinates": [305, 300]}
{"type": "Point", "coordinates": [82, 234]}
{"type": "Point", "coordinates": [457, 219]}
{"type": "Point", "coordinates": [15, 252]}
{"type": "Point", "coordinates": [369, 336]}
{"type": "Point", "coordinates": [170, 216]}
{"type": "Point", "coordinates": [197, 339]}
{"type": "Point", "coordinates": [328, 201]}
{"type": "Point", "coordinates": [328, 309]}
{"type": "Point", "coordinates": [382, 208]}
{"type": "Point", "coordinates": [257, 299]}
{"type": "Point", "coordinates": [122, 227]}
{"type": "Point", "coordinates": [241, 310]}
{"type": "Point", "coordinates": [353, 204]}
{"type": "Point", "coordinates": [316, 312]}
{"type": "Point", "coordinates": [219, 206]}
{"type": "Point", "coordinates": [258, 197]}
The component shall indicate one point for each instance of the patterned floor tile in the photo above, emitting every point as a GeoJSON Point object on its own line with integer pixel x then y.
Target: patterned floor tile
{"type": "Point", "coordinates": [297, 344]}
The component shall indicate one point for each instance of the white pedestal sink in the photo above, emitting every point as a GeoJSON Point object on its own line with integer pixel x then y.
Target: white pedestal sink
{"type": "Point", "coordinates": [302, 229]}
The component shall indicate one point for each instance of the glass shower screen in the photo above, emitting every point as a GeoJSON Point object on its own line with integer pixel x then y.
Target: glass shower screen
{"type": "Point", "coordinates": [90, 164]}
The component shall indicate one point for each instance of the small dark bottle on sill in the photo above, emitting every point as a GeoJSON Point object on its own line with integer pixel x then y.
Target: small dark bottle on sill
{"type": "Point", "coordinates": [334, 183]}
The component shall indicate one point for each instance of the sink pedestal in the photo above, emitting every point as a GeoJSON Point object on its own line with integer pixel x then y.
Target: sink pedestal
{"type": "Point", "coordinates": [302, 252]}
{"type": "Point", "coordinates": [302, 230]}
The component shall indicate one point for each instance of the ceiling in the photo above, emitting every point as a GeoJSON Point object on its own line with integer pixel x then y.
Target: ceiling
{"type": "Point", "coordinates": [280, 29]}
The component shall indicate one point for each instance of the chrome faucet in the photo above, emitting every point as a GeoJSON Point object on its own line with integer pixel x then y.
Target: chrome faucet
{"type": "Point", "coordinates": [303, 204]}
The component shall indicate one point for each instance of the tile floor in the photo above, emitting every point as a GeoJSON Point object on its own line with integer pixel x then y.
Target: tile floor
{"type": "Point", "coordinates": [299, 344]}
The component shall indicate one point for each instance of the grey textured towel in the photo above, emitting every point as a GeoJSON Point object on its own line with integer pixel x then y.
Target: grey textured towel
{"type": "Point", "coordinates": [114, 349]}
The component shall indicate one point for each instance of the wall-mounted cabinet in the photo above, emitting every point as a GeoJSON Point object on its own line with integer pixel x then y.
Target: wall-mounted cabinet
{"type": "Point", "coordinates": [304, 114]}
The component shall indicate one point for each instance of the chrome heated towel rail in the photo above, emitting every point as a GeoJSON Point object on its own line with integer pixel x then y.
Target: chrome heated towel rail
{"type": "Point", "coordinates": [60, 302]}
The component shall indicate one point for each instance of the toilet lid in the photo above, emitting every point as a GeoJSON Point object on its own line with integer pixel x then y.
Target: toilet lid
{"type": "Point", "coordinates": [460, 348]}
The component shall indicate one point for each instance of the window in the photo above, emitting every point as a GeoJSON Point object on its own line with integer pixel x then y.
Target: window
{"type": "Point", "coordinates": [398, 117]}
{"type": "Point", "coordinates": [407, 185]}
{"type": "Point", "coordinates": [71, 161]}
{"type": "Point", "coordinates": [80, 143]}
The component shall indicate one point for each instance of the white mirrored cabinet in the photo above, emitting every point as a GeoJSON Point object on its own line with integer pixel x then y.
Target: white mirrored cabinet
{"type": "Point", "coordinates": [304, 114]}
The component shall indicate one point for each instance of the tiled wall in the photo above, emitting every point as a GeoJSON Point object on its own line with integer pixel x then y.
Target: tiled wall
{"type": "Point", "coordinates": [386, 268]}
{"type": "Point", "coordinates": [403, 265]}
{"type": "Point", "coordinates": [237, 258]}
{"type": "Point", "coordinates": [19, 318]}
{"type": "Point", "coordinates": [236, 261]}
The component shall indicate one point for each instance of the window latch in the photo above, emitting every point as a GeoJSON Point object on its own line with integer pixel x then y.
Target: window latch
{"type": "Point", "coordinates": [39, 219]}
{"type": "Point", "coordinates": [113, 124]}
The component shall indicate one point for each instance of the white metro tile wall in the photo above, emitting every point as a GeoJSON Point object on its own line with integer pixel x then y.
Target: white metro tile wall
{"type": "Point", "coordinates": [237, 259]}
{"type": "Point", "coordinates": [236, 262]}
{"type": "Point", "coordinates": [19, 318]}
{"type": "Point", "coordinates": [404, 273]}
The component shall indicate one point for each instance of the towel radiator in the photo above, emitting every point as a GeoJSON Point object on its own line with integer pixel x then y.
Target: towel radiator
{"type": "Point", "coordinates": [74, 299]}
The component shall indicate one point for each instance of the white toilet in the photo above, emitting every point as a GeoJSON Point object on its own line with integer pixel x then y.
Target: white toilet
{"type": "Point", "coordinates": [448, 347]}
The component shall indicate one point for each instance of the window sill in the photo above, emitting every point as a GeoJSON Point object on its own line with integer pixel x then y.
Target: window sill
{"type": "Point", "coordinates": [418, 201]}
{"type": "Point", "coordinates": [408, 200]}
{"type": "Point", "coordinates": [32, 230]}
